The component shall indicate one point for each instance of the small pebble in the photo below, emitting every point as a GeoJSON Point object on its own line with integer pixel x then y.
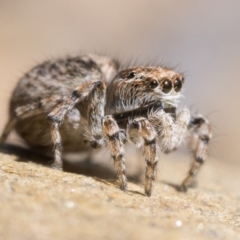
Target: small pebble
{"type": "Point", "coordinates": [178, 223]}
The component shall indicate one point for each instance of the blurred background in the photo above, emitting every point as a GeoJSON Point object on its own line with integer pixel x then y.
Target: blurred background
{"type": "Point", "coordinates": [201, 38]}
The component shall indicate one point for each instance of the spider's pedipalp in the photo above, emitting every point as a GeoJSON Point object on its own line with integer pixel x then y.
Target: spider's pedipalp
{"type": "Point", "coordinates": [171, 128]}
{"type": "Point", "coordinates": [182, 121]}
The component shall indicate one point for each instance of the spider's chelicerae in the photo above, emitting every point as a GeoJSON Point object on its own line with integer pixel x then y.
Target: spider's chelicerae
{"type": "Point", "coordinates": [76, 103]}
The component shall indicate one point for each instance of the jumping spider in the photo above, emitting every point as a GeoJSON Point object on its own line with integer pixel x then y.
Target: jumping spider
{"type": "Point", "coordinates": [64, 103]}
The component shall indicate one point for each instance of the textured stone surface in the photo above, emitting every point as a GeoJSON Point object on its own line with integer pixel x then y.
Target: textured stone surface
{"type": "Point", "coordinates": [41, 203]}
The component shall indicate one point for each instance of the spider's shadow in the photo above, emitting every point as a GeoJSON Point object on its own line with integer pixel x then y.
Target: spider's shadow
{"type": "Point", "coordinates": [179, 188]}
{"type": "Point", "coordinates": [173, 185]}
{"type": "Point", "coordinates": [85, 167]}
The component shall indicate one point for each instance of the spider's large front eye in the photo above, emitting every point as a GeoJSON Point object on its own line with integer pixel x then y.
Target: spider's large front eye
{"type": "Point", "coordinates": [177, 85]}
{"type": "Point", "coordinates": [166, 86]}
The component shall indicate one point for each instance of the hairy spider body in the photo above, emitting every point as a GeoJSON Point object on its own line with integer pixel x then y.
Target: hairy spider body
{"type": "Point", "coordinates": [44, 89]}
{"type": "Point", "coordinates": [83, 102]}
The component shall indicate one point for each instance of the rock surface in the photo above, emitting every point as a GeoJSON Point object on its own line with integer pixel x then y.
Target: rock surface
{"type": "Point", "coordinates": [38, 202]}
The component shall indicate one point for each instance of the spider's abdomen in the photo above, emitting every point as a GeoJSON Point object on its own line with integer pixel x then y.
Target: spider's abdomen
{"type": "Point", "coordinates": [49, 84]}
{"type": "Point", "coordinates": [54, 78]}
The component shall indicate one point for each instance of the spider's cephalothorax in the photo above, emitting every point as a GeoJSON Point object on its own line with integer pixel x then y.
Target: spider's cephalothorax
{"type": "Point", "coordinates": [138, 87]}
{"type": "Point", "coordinates": [88, 103]}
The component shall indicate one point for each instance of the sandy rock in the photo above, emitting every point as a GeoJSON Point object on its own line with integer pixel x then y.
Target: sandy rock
{"type": "Point", "coordinates": [38, 202]}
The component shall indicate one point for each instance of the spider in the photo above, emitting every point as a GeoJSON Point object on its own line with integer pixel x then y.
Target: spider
{"type": "Point", "coordinates": [81, 102]}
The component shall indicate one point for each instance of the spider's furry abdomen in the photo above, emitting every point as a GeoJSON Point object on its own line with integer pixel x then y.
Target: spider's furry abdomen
{"type": "Point", "coordinates": [56, 77]}
{"type": "Point", "coordinates": [50, 83]}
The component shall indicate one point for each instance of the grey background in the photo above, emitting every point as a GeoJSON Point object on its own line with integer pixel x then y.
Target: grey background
{"type": "Point", "coordinates": [202, 38]}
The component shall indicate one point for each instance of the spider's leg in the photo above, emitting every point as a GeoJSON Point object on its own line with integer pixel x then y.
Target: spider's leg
{"type": "Point", "coordinates": [141, 131]}
{"type": "Point", "coordinates": [29, 110]}
{"type": "Point", "coordinates": [95, 114]}
{"type": "Point", "coordinates": [26, 111]}
{"type": "Point", "coordinates": [56, 116]}
{"type": "Point", "coordinates": [116, 139]}
{"type": "Point", "coordinates": [200, 136]}
{"type": "Point", "coordinates": [19, 113]}
{"type": "Point", "coordinates": [7, 129]}
{"type": "Point", "coordinates": [106, 128]}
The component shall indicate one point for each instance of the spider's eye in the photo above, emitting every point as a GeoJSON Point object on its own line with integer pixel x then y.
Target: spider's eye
{"type": "Point", "coordinates": [177, 85]}
{"type": "Point", "coordinates": [166, 86]}
{"type": "Point", "coordinates": [154, 84]}
{"type": "Point", "coordinates": [131, 75]}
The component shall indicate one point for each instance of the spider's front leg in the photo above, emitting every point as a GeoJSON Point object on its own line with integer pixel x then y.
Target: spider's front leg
{"type": "Point", "coordinates": [116, 139]}
{"type": "Point", "coordinates": [104, 128]}
{"type": "Point", "coordinates": [201, 134]}
{"type": "Point", "coordinates": [141, 131]}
